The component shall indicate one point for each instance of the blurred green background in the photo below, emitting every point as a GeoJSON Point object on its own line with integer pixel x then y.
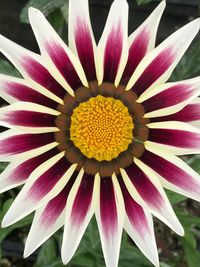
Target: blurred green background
{"type": "Point", "coordinates": [173, 250]}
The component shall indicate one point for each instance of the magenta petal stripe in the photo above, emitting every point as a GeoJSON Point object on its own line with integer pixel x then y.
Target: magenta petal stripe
{"type": "Point", "coordinates": [41, 75]}
{"type": "Point", "coordinates": [39, 188]}
{"type": "Point", "coordinates": [84, 46]}
{"type": "Point", "coordinates": [139, 225]}
{"type": "Point", "coordinates": [21, 92]}
{"type": "Point", "coordinates": [48, 219]}
{"type": "Point", "coordinates": [110, 216]}
{"type": "Point", "coordinates": [63, 64]}
{"type": "Point", "coordinates": [108, 208]}
{"type": "Point", "coordinates": [137, 51]}
{"type": "Point", "coordinates": [157, 66]}
{"type": "Point", "coordinates": [82, 200]}
{"type": "Point", "coordinates": [113, 44]}
{"type": "Point", "coordinates": [177, 138]}
{"type": "Point", "coordinates": [81, 38]}
{"type": "Point", "coordinates": [43, 185]}
{"type": "Point", "coordinates": [28, 118]}
{"type": "Point", "coordinates": [134, 211]}
{"type": "Point", "coordinates": [80, 208]}
{"type": "Point", "coordinates": [172, 173]}
{"type": "Point", "coordinates": [144, 187]}
{"type": "Point", "coordinates": [16, 174]}
{"type": "Point", "coordinates": [19, 143]}
{"type": "Point", "coordinates": [154, 70]}
{"type": "Point", "coordinates": [174, 95]}
{"type": "Point", "coordinates": [112, 54]}
{"type": "Point", "coordinates": [55, 206]}
{"type": "Point", "coordinates": [188, 114]}
{"type": "Point", "coordinates": [142, 41]}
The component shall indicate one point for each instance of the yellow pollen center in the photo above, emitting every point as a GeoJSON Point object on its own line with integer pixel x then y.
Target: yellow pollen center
{"type": "Point", "coordinates": [101, 128]}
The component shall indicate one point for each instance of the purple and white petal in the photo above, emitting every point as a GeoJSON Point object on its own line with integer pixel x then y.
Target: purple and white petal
{"type": "Point", "coordinates": [157, 66]}
{"type": "Point", "coordinates": [48, 219]}
{"type": "Point", "coordinates": [139, 225]}
{"type": "Point", "coordinates": [145, 188]}
{"type": "Point", "coordinates": [18, 171]}
{"type": "Point", "coordinates": [16, 143]}
{"type": "Point", "coordinates": [110, 219]}
{"type": "Point", "coordinates": [142, 40]}
{"type": "Point", "coordinates": [177, 137]}
{"type": "Point", "coordinates": [169, 98]}
{"type": "Point", "coordinates": [80, 208]}
{"type": "Point", "coordinates": [113, 45]}
{"type": "Point", "coordinates": [44, 183]}
{"type": "Point", "coordinates": [62, 63]}
{"type": "Point", "coordinates": [174, 173]}
{"type": "Point", "coordinates": [81, 38]}
{"type": "Point", "coordinates": [32, 68]}
{"type": "Point", "coordinates": [29, 117]}
{"type": "Point", "coordinates": [16, 89]}
{"type": "Point", "coordinates": [190, 113]}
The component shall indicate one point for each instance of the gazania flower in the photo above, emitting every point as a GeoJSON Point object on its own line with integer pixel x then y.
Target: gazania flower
{"type": "Point", "coordinates": [96, 130]}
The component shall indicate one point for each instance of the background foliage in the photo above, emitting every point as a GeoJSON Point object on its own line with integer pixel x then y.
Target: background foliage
{"type": "Point", "coordinates": [174, 251]}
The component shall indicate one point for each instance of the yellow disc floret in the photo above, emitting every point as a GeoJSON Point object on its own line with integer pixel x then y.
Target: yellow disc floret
{"type": "Point", "coordinates": [101, 128]}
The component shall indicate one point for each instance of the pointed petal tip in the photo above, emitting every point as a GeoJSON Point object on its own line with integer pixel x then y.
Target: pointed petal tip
{"type": "Point", "coordinates": [26, 253]}
{"type": "Point", "coordinates": [162, 4]}
{"type": "Point", "coordinates": [179, 229]}
{"type": "Point", "coordinates": [5, 223]}
{"type": "Point", "coordinates": [65, 259]}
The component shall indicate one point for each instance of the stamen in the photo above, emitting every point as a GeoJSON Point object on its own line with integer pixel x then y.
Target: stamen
{"type": "Point", "coordinates": [101, 128]}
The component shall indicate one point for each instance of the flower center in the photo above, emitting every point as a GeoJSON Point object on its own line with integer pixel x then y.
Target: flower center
{"type": "Point", "coordinates": [101, 128]}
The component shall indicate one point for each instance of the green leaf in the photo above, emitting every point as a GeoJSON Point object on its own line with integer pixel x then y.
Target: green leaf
{"type": "Point", "coordinates": [47, 254]}
{"type": "Point", "coordinates": [192, 256]}
{"type": "Point", "coordinates": [188, 220]}
{"type": "Point", "coordinates": [3, 165]}
{"type": "Point", "coordinates": [189, 66]}
{"type": "Point", "coordinates": [175, 198]}
{"type": "Point", "coordinates": [5, 231]}
{"type": "Point", "coordinates": [7, 68]}
{"type": "Point", "coordinates": [46, 6]}
{"type": "Point", "coordinates": [143, 2]}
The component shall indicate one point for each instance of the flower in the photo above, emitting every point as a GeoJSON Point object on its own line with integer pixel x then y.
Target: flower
{"type": "Point", "coordinates": [95, 129]}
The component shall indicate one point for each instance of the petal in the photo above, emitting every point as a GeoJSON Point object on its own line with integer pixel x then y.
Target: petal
{"type": "Point", "coordinates": [79, 210]}
{"type": "Point", "coordinates": [31, 67]}
{"type": "Point", "coordinates": [29, 117]}
{"type": "Point", "coordinates": [190, 113]}
{"type": "Point", "coordinates": [157, 66]}
{"type": "Point", "coordinates": [178, 137]}
{"type": "Point", "coordinates": [110, 219]}
{"type": "Point", "coordinates": [66, 65]}
{"type": "Point", "coordinates": [18, 171]}
{"type": "Point", "coordinates": [48, 219]}
{"type": "Point", "coordinates": [44, 184]}
{"type": "Point", "coordinates": [113, 45]}
{"type": "Point", "coordinates": [16, 89]}
{"type": "Point", "coordinates": [15, 143]}
{"type": "Point", "coordinates": [142, 41]}
{"type": "Point", "coordinates": [170, 97]}
{"type": "Point", "coordinates": [144, 186]}
{"type": "Point", "coordinates": [81, 38]}
{"type": "Point", "coordinates": [139, 225]}
{"type": "Point", "coordinates": [174, 173]}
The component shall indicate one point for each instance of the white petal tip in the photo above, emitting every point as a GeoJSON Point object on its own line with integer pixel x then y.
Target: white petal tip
{"type": "Point", "coordinates": [5, 222]}
{"type": "Point", "coordinates": [180, 231]}
{"type": "Point", "coordinates": [32, 11]}
{"type": "Point", "coordinates": [26, 254]}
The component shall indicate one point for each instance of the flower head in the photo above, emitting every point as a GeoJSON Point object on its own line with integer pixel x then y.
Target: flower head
{"type": "Point", "coordinates": [95, 129]}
